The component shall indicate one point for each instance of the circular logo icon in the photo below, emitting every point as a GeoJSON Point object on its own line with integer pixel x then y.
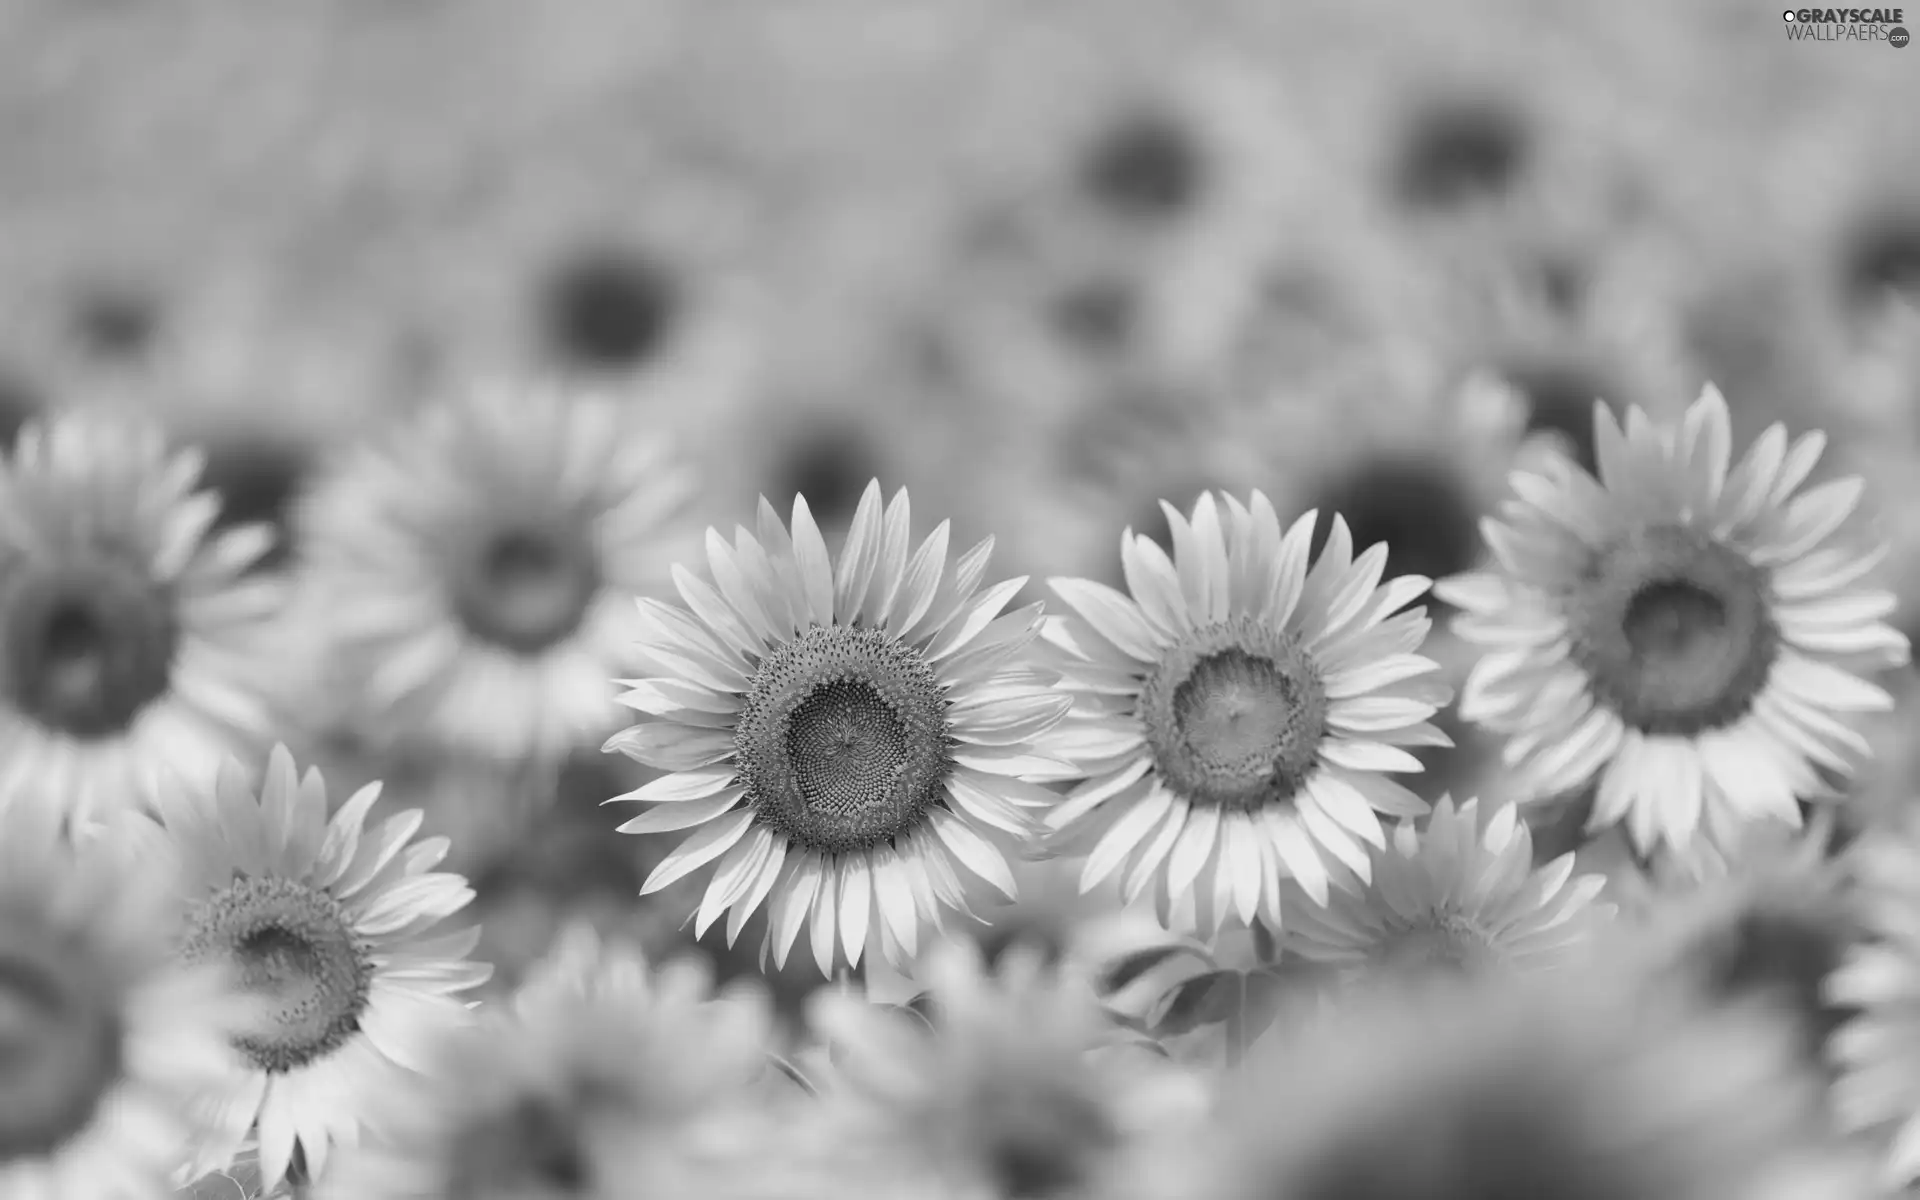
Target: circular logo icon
{"type": "Point", "coordinates": [1788, 15]}
{"type": "Point", "coordinates": [1898, 36]}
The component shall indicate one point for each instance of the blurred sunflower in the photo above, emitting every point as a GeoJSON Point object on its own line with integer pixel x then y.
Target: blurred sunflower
{"type": "Point", "coordinates": [329, 927]}
{"type": "Point", "coordinates": [1240, 711]}
{"type": "Point", "coordinates": [1012, 1087]}
{"type": "Point", "coordinates": [1768, 922]}
{"type": "Point", "coordinates": [1459, 894]}
{"type": "Point", "coordinates": [472, 575]}
{"type": "Point", "coordinates": [129, 642]}
{"type": "Point", "coordinates": [105, 1042]}
{"type": "Point", "coordinates": [1411, 462]}
{"type": "Point", "coordinates": [602, 1069]}
{"type": "Point", "coordinates": [1693, 636]}
{"type": "Point", "coordinates": [847, 742]}
{"type": "Point", "coordinates": [1511, 1089]}
{"type": "Point", "coordinates": [1878, 1092]}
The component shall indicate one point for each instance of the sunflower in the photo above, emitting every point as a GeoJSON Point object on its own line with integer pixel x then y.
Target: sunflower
{"type": "Point", "coordinates": [330, 928]}
{"type": "Point", "coordinates": [1771, 922]}
{"type": "Point", "coordinates": [1461, 893]}
{"type": "Point", "coordinates": [1012, 1087]}
{"type": "Point", "coordinates": [1693, 636]}
{"type": "Point", "coordinates": [851, 743]}
{"type": "Point", "coordinates": [1239, 714]}
{"type": "Point", "coordinates": [1512, 1088]}
{"type": "Point", "coordinates": [602, 1069]}
{"type": "Point", "coordinates": [105, 1041]}
{"type": "Point", "coordinates": [477, 569]}
{"type": "Point", "coordinates": [1879, 1090]}
{"type": "Point", "coordinates": [127, 635]}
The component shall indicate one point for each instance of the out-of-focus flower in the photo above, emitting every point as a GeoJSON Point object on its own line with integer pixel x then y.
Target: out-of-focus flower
{"type": "Point", "coordinates": [129, 640]}
{"type": "Point", "coordinates": [1694, 636]}
{"type": "Point", "coordinates": [1571, 1090]}
{"type": "Point", "coordinates": [1767, 921]}
{"type": "Point", "coordinates": [1878, 1092]}
{"type": "Point", "coordinates": [1239, 711]}
{"type": "Point", "coordinates": [105, 1041]}
{"type": "Point", "coordinates": [329, 927]}
{"type": "Point", "coordinates": [472, 577]}
{"type": "Point", "coordinates": [602, 1071]}
{"type": "Point", "coordinates": [1406, 462]}
{"type": "Point", "coordinates": [1010, 1086]}
{"type": "Point", "coordinates": [1460, 894]}
{"type": "Point", "coordinates": [848, 742]}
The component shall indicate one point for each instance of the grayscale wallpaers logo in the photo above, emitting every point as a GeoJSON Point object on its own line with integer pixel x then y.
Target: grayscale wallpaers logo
{"type": "Point", "coordinates": [1847, 25]}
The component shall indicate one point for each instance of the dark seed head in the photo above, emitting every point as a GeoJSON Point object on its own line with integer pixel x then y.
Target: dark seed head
{"type": "Point", "coordinates": [116, 323]}
{"type": "Point", "coordinates": [1146, 166]}
{"type": "Point", "coordinates": [258, 481]}
{"type": "Point", "coordinates": [1418, 507]}
{"type": "Point", "coordinates": [1097, 314]}
{"type": "Point", "coordinates": [20, 402]}
{"type": "Point", "coordinates": [1881, 254]}
{"type": "Point", "coordinates": [1460, 151]}
{"type": "Point", "coordinates": [607, 308]}
{"type": "Point", "coordinates": [1560, 396]}
{"type": "Point", "coordinates": [831, 466]}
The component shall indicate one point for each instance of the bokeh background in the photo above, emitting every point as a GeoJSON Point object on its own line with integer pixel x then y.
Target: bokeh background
{"type": "Point", "coordinates": [1044, 263]}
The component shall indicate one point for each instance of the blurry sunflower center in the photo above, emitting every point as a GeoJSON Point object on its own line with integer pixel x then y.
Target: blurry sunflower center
{"type": "Point", "coordinates": [1146, 166]}
{"type": "Point", "coordinates": [831, 468]}
{"type": "Point", "coordinates": [257, 481]}
{"type": "Point", "coordinates": [85, 651]}
{"type": "Point", "coordinates": [1560, 399]}
{"type": "Point", "coordinates": [1448, 946]}
{"type": "Point", "coordinates": [20, 400]}
{"type": "Point", "coordinates": [1235, 715]}
{"type": "Point", "coordinates": [609, 308]}
{"type": "Point", "coordinates": [1042, 1139]}
{"type": "Point", "coordinates": [115, 323]}
{"type": "Point", "coordinates": [295, 955]}
{"type": "Point", "coordinates": [525, 589]}
{"type": "Point", "coordinates": [1421, 509]}
{"type": "Point", "coordinates": [1459, 152]}
{"type": "Point", "coordinates": [1673, 630]}
{"type": "Point", "coordinates": [60, 1041]}
{"type": "Point", "coordinates": [843, 740]}
{"type": "Point", "coordinates": [530, 1149]}
{"type": "Point", "coordinates": [1884, 255]}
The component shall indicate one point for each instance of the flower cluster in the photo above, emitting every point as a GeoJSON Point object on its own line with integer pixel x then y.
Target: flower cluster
{"type": "Point", "coordinates": [217, 971]}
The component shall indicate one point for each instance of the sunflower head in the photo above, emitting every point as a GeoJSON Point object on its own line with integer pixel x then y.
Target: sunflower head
{"type": "Point", "coordinates": [329, 929]}
{"type": "Point", "coordinates": [1460, 895]}
{"type": "Point", "coordinates": [106, 1040]}
{"type": "Point", "coordinates": [601, 1068]}
{"type": "Point", "coordinates": [473, 571]}
{"type": "Point", "coordinates": [1692, 634]}
{"type": "Point", "coordinates": [1239, 710]}
{"type": "Point", "coordinates": [850, 741]}
{"type": "Point", "coordinates": [1011, 1087]}
{"type": "Point", "coordinates": [124, 623]}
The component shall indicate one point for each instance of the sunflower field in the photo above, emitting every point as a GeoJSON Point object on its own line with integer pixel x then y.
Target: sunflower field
{"type": "Point", "coordinates": [959, 600]}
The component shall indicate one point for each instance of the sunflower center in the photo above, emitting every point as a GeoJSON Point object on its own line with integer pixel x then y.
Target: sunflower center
{"type": "Point", "coordinates": [83, 652]}
{"type": "Point", "coordinates": [1235, 716]}
{"type": "Point", "coordinates": [843, 740]}
{"type": "Point", "coordinates": [60, 1039]}
{"type": "Point", "coordinates": [295, 954]}
{"type": "Point", "coordinates": [1419, 507]}
{"type": "Point", "coordinates": [526, 588]}
{"type": "Point", "coordinates": [533, 1148]}
{"type": "Point", "coordinates": [1447, 946]}
{"type": "Point", "coordinates": [1674, 631]}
